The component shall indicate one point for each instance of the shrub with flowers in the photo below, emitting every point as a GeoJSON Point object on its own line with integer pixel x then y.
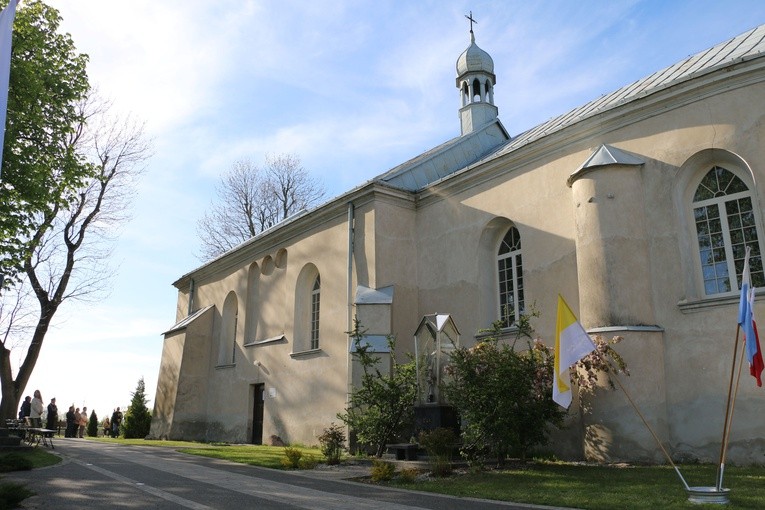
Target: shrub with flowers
{"type": "Point", "coordinates": [504, 393]}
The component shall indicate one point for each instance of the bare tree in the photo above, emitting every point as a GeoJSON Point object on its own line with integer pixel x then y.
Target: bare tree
{"type": "Point", "coordinates": [251, 199]}
{"type": "Point", "coordinates": [72, 241]}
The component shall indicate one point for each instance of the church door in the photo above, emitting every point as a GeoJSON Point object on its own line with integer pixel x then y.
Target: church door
{"type": "Point", "coordinates": [257, 414]}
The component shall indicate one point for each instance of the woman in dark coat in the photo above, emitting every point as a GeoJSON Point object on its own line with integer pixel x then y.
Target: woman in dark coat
{"type": "Point", "coordinates": [71, 423]}
{"type": "Point", "coordinates": [51, 422]}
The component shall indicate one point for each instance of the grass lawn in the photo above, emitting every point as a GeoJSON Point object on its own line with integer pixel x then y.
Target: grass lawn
{"type": "Point", "coordinates": [39, 457]}
{"type": "Point", "coordinates": [601, 487]}
{"type": "Point", "coordinates": [254, 455]}
{"type": "Point", "coordinates": [543, 483]}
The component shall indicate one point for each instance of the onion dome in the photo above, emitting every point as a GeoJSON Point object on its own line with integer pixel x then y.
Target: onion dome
{"type": "Point", "coordinates": [474, 60]}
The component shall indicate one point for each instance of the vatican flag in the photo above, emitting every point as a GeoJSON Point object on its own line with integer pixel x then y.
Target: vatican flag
{"type": "Point", "coordinates": [572, 343]}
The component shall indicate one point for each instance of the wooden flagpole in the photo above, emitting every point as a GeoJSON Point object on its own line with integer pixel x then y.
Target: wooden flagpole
{"type": "Point", "coordinates": [728, 413]}
{"type": "Point", "coordinates": [729, 408]}
{"type": "Point", "coordinates": [645, 422]}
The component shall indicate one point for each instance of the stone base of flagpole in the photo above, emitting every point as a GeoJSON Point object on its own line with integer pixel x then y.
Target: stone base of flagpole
{"type": "Point", "coordinates": [708, 495]}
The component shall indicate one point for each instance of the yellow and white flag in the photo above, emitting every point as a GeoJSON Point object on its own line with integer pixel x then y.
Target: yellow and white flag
{"type": "Point", "coordinates": [572, 343]}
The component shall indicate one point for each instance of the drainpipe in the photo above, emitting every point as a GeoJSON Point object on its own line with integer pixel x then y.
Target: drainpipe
{"type": "Point", "coordinates": [349, 359]}
{"type": "Point", "coordinates": [192, 289]}
{"type": "Point", "coordinates": [351, 234]}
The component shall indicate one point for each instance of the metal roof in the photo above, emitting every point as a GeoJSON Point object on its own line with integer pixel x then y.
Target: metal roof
{"type": "Point", "coordinates": [747, 46]}
{"type": "Point", "coordinates": [446, 159]}
{"type": "Point", "coordinates": [367, 296]}
{"type": "Point", "coordinates": [183, 323]}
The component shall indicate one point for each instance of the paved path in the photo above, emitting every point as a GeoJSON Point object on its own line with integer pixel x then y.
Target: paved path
{"type": "Point", "coordinates": [98, 476]}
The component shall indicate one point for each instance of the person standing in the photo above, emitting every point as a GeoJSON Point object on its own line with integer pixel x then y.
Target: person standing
{"type": "Point", "coordinates": [116, 420]}
{"type": "Point", "coordinates": [26, 407]}
{"type": "Point", "coordinates": [37, 408]}
{"type": "Point", "coordinates": [51, 422]}
{"type": "Point", "coordinates": [83, 417]}
{"type": "Point", "coordinates": [71, 423]}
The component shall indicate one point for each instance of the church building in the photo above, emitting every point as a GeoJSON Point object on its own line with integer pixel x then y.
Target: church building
{"type": "Point", "coordinates": [636, 207]}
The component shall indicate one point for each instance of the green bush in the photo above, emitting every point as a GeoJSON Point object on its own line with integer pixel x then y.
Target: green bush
{"type": "Point", "coordinates": [308, 462]}
{"type": "Point", "coordinates": [504, 395]}
{"type": "Point", "coordinates": [15, 462]}
{"type": "Point", "coordinates": [503, 391]}
{"type": "Point", "coordinates": [291, 458]}
{"type": "Point", "coordinates": [439, 443]}
{"type": "Point", "coordinates": [382, 471]}
{"type": "Point", "coordinates": [332, 442]}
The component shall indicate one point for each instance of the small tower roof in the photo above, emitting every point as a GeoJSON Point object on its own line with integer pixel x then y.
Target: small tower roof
{"type": "Point", "coordinates": [474, 59]}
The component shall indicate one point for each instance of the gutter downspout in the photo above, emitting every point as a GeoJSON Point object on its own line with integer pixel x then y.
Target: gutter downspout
{"type": "Point", "coordinates": [351, 242]}
{"type": "Point", "coordinates": [192, 289]}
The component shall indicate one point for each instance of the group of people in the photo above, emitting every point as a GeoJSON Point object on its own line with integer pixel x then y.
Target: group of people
{"type": "Point", "coordinates": [76, 420]}
{"type": "Point", "coordinates": [33, 409]}
{"type": "Point", "coordinates": [112, 427]}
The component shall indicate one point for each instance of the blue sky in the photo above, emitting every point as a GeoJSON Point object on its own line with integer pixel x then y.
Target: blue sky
{"type": "Point", "coordinates": [352, 87]}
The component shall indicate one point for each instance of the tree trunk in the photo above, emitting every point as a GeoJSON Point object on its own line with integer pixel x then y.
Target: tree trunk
{"type": "Point", "coordinates": [10, 397]}
{"type": "Point", "coordinates": [12, 390]}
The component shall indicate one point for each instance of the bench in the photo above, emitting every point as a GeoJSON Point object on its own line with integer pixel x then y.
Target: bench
{"type": "Point", "coordinates": [403, 451]}
{"type": "Point", "coordinates": [33, 436]}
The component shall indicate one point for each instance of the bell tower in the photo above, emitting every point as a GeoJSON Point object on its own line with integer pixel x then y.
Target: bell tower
{"type": "Point", "coordinates": [475, 81]}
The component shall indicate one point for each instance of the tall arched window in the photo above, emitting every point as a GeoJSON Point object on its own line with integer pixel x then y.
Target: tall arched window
{"type": "Point", "coordinates": [725, 224]}
{"type": "Point", "coordinates": [510, 275]}
{"type": "Point", "coordinates": [227, 341]}
{"type": "Point", "coordinates": [315, 302]}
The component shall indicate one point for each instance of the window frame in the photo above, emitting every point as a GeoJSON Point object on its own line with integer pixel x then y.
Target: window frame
{"type": "Point", "coordinates": [721, 202]}
{"type": "Point", "coordinates": [315, 314]}
{"type": "Point", "coordinates": [516, 260]}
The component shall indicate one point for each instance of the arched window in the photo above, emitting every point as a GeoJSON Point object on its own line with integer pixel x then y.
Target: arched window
{"type": "Point", "coordinates": [510, 276]}
{"type": "Point", "coordinates": [725, 224]}
{"type": "Point", "coordinates": [315, 302]}
{"type": "Point", "coordinates": [307, 311]}
{"type": "Point", "coordinates": [252, 304]}
{"type": "Point", "coordinates": [227, 343]}
{"type": "Point", "coordinates": [476, 91]}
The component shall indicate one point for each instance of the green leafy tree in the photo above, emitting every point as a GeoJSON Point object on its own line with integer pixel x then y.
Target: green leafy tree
{"type": "Point", "coordinates": [40, 167]}
{"type": "Point", "coordinates": [383, 405]}
{"type": "Point", "coordinates": [137, 420]}
{"type": "Point", "coordinates": [68, 174]}
{"type": "Point", "coordinates": [93, 425]}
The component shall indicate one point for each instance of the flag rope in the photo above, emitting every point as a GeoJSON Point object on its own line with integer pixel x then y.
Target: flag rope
{"type": "Point", "coordinates": [656, 438]}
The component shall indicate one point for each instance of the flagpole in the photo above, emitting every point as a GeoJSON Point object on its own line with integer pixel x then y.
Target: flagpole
{"type": "Point", "coordinates": [728, 412]}
{"type": "Point", "coordinates": [729, 420]}
{"type": "Point", "coordinates": [656, 438]}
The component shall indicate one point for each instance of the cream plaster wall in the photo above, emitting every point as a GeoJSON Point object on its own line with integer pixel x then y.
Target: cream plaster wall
{"type": "Point", "coordinates": [616, 244]}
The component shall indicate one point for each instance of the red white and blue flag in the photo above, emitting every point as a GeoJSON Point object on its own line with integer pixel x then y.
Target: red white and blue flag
{"type": "Point", "coordinates": [748, 324]}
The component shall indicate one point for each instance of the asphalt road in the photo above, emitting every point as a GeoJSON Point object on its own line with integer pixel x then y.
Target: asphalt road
{"type": "Point", "coordinates": [96, 476]}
